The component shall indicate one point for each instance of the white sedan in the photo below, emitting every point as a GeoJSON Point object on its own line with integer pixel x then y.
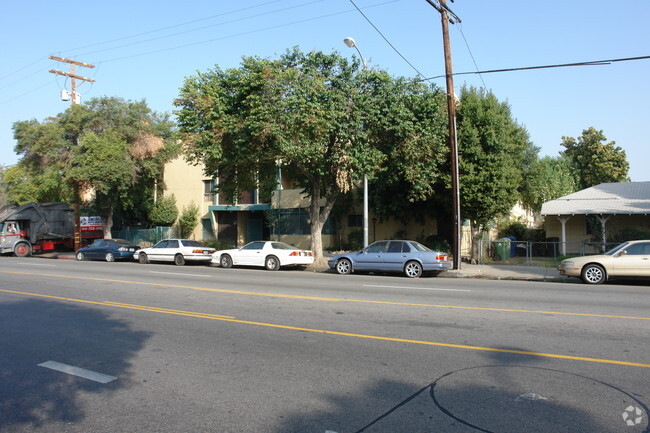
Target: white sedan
{"type": "Point", "coordinates": [178, 251]}
{"type": "Point", "coordinates": [269, 254]}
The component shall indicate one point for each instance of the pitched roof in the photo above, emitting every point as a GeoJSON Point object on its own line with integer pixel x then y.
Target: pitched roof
{"type": "Point", "coordinates": [624, 198]}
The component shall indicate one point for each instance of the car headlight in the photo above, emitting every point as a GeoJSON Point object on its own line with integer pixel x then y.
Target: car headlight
{"type": "Point", "coordinates": [566, 263]}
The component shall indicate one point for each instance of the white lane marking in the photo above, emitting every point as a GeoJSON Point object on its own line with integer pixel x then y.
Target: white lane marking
{"type": "Point", "coordinates": [76, 371]}
{"type": "Point", "coordinates": [36, 264]}
{"type": "Point", "coordinates": [178, 273]}
{"type": "Point", "coordinates": [417, 288]}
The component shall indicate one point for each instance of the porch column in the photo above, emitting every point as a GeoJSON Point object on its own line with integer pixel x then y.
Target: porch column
{"type": "Point", "coordinates": [563, 221]}
{"type": "Point", "coordinates": [603, 221]}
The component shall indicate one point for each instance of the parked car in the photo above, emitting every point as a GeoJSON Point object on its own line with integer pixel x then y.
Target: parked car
{"type": "Point", "coordinates": [270, 254]}
{"type": "Point", "coordinates": [630, 259]}
{"type": "Point", "coordinates": [108, 249]}
{"type": "Point", "coordinates": [410, 257]}
{"type": "Point", "coordinates": [178, 251]}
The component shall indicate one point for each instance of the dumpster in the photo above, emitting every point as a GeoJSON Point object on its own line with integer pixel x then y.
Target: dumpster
{"type": "Point", "coordinates": [502, 249]}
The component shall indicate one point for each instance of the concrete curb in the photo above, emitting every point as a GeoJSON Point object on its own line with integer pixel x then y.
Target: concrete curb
{"type": "Point", "coordinates": [487, 272]}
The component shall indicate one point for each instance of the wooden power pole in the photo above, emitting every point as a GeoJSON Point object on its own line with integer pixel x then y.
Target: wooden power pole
{"type": "Point", "coordinates": [445, 12]}
{"type": "Point", "coordinates": [74, 99]}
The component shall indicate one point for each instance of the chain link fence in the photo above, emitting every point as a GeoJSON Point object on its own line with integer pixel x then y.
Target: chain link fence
{"type": "Point", "coordinates": [533, 253]}
{"type": "Point", "coordinates": [145, 237]}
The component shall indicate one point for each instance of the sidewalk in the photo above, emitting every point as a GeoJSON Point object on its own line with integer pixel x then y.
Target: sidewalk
{"type": "Point", "coordinates": [488, 272]}
{"type": "Point", "coordinates": [506, 272]}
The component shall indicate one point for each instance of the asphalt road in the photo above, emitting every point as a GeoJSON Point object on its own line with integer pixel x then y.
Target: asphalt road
{"type": "Point", "coordinates": [125, 347]}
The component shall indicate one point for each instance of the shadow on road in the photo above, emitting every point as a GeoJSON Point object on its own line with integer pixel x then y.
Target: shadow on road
{"type": "Point", "coordinates": [36, 331]}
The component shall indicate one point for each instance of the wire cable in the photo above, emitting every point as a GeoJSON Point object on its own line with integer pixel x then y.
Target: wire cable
{"type": "Point", "coordinates": [460, 29]}
{"type": "Point", "coordinates": [562, 65]}
{"type": "Point", "coordinates": [172, 26]}
{"type": "Point", "coordinates": [242, 33]}
{"type": "Point", "coordinates": [386, 39]}
{"type": "Point", "coordinates": [200, 28]}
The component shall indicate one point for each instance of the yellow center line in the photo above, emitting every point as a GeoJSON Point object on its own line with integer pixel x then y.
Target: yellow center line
{"type": "Point", "coordinates": [121, 305]}
{"type": "Point", "coordinates": [329, 299]}
{"type": "Point", "coordinates": [338, 333]}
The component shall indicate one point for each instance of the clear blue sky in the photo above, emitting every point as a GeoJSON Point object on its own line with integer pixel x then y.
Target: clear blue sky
{"type": "Point", "coordinates": [144, 49]}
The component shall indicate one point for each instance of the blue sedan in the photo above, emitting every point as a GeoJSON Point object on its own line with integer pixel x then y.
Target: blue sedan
{"type": "Point", "coordinates": [410, 257]}
{"type": "Point", "coordinates": [108, 249]}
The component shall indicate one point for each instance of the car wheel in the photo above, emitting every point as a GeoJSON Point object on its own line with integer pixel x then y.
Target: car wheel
{"type": "Point", "coordinates": [22, 249]}
{"type": "Point", "coordinates": [142, 258]}
{"type": "Point", "coordinates": [225, 261]}
{"type": "Point", "coordinates": [272, 263]}
{"type": "Point", "coordinates": [593, 274]}
{"type": "Point", "coordinates": [344, 266]}
{"type": "Point", "coordinates": [109, 257]}
{"type": "Point", "coordinates": [413, 269]}
{"type": "Point", "coordinates": [179, 260]}
{"type": "Point", "coordinates": [80, 256]}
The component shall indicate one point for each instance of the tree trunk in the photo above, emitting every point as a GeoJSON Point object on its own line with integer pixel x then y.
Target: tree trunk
{"type": "Point", "coordinates": [107, 223]}
{"type": "Point", "coordinates": [475, 230]}
{"type": "Point", "coordinates": [317, 218]}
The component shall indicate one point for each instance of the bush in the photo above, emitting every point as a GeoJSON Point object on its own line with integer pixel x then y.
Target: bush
{"type": "Point", "coordinates": [355, 240]}
{"type": "Point", "coordinates": [221, 244]}
{"type": "Point", "coordinates": [519, 231]}
{"type": "Point", "coordinates": [164, 212]}
{"type": "Point", "coordinates": [188, 220]}
{"type": "Point", "coordinates": [629, 234]}
{"type": "Point", "coordinates": [436, 243]}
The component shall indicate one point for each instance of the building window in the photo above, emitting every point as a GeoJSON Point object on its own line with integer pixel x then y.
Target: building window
{"type": "Point", "coordinates": [208, 191]}
{"type": "Point", "coordinates": [295, 222]}
{"type": "Point", "coordinates": [355, 220]}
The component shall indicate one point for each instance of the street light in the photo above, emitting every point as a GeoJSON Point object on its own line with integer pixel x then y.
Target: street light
{"type": "Point", "coordinates": [351, 43]}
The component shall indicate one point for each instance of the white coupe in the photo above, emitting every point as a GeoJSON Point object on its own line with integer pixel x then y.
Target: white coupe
{"type": "Point", "coordinates": [269, 254]}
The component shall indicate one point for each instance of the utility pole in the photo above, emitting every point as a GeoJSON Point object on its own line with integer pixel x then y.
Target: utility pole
{"type": "Point", "coordinates": [73, 77]}
{"type": "Point", "coordinates": [445, 13]}
{"type": "Point", "coordinates": [74, 100]}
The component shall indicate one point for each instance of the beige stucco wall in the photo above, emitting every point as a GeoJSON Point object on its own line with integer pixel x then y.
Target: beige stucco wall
{"type": "Point", "coordinates": [185, 182]}
{"type": "Point", "coordinates": [291, 199]}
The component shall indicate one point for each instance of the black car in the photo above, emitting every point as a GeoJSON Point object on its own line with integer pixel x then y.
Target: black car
{"type": "Point", "coordinates": [108, 249]}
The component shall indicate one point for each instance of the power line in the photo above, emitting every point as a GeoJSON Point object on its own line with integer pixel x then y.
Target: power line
{"type": "Point", "coordinates": [460, 29]}
{"type": "Point", "coordinates": [242, 33]}
{"type": "Point", "coordinates": [28, 92]}
{"type": "Point", "coordinates": [562, 65]}
{"type": "Point", "coordinates": [172, 26]}
{"type": "Point", "coordinates": [20, 69]}
{"type": "Point", "coordinates": [386, 39]}
{"type": "Point", "coordinates": [197, 29]}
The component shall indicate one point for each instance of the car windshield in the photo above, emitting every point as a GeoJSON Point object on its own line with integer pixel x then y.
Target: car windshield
{"type": "Point", "coordinates": [419, 247]}
{"type": "Point", "coordinates": [281, 246]}
{"type": "Point", "coordinates": [616, 249]}
{"type": "Point", "coordinates": [191, 243]}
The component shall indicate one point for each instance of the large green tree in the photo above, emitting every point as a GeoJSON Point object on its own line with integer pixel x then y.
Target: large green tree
{"type": "Point", "coordinates": [594, 160]}
{"type": "Point", "coordinates": [318, 114]}
{"type": "Point", "coordinates": [38, 175]}
{"type": "Point", "coordinates": [547, 179]}
{"type": "Point", "coordinates": [494, 152]}
{"type": "Point", "coordinates": [112, 148]}
{"type": "Point", "coordinates": [410, 130]}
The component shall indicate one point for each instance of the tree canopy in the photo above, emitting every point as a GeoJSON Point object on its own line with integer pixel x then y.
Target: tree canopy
{"type": "Point", "coordinates": [110, 147]}
{"type": "Point", "coordinates": [594, 160]}
{"type": "Point", "coordinates": [547, 179]}
{"type": "Point", "coordinates": [494, 152]}
{"type": "Point", "coordinates": [318, 114]}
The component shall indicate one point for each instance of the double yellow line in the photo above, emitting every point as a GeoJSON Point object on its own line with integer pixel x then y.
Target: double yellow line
{"type": "Point", "coordinates": [322, 331]}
